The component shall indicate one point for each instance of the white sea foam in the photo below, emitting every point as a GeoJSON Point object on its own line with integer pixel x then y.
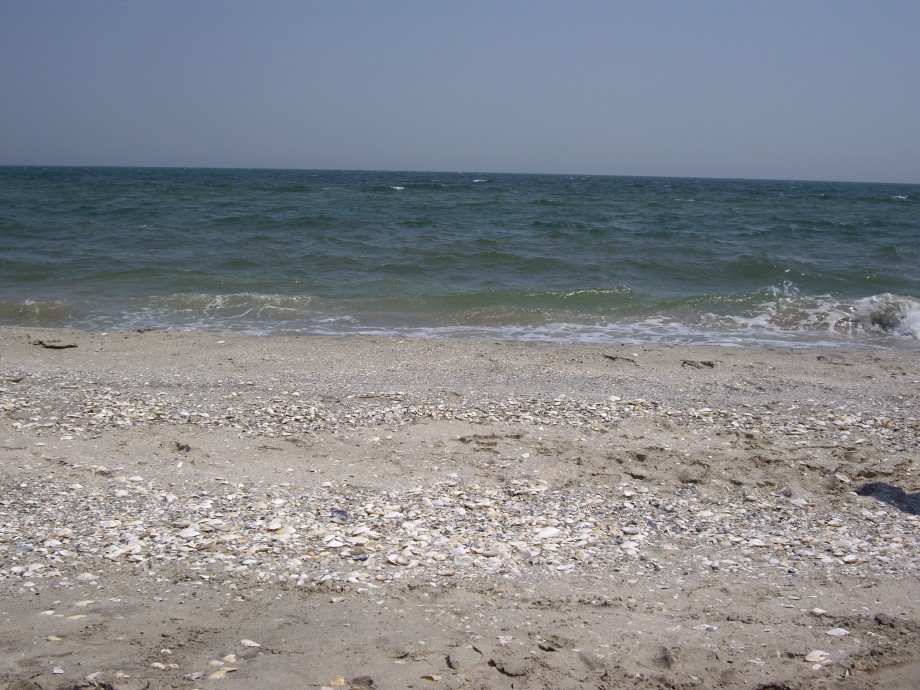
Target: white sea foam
{"type": "Point", "coordinates": [870, 320]}
{"type": "Point", "coordinates": [889, 313]}
{"type": "Point", "coordinates": [783, 317]}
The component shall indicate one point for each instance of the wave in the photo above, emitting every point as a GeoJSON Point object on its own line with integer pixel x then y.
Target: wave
{"type": "Point", "coordinates": [887, 313]}
{"type": "Point", "coordinates": [786, 311]}
{"type": "Point", "coordinates": [778, 316]}
{"type": "Point", "coordinates": [562, 225]}
{"type": "Point", "coordinates": [433, 185]}
{"type": "Point", "coordinates": [38, 313]}
{"type": "Point", "coordinates": [319, 221]}
{"type": "Point", "coordinates": [418, 223]}
{"type": "Point", "coordinates": [235, 306]}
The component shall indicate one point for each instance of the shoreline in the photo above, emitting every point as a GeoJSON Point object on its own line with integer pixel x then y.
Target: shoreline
{"type": "Point", "coordinates": [849, 324]}
{"type": "Point", "coordinates": [487, 513]}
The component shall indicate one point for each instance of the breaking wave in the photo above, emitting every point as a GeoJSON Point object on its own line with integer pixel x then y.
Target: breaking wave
{"type": "Point", "coordinates": [777, 316]}
{"type": "Point", "coordinates": [870, 317]}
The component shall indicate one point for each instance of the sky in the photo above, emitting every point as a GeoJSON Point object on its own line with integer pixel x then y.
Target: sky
{"type": "Point", "coordinates": [778, 89]}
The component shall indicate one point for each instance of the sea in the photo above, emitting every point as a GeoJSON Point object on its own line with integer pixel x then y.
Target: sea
{"type": "Point", "coordinates": [573, 258]}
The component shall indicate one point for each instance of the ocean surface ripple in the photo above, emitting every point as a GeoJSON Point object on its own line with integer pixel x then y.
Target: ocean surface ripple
{"type": "Point", "coordinates": [501, 256]}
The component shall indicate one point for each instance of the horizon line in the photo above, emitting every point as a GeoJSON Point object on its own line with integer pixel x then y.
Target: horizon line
{"type": "Point", "coordinates": [456, 172]}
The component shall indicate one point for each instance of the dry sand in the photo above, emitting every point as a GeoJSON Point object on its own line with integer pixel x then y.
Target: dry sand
{"type": "Point", "coordinates": [395, 513]}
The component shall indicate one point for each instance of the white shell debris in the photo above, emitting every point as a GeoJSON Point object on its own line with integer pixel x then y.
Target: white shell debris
{"type": "Point", "coordinates": [323, 531]}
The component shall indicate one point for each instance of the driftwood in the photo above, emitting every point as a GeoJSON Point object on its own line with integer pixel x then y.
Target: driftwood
{"type": "Point", "coordinates": [53, 344]}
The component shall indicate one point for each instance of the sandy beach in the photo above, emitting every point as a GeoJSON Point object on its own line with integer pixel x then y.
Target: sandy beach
{"type": "Point", "coordinates": [221, 511]}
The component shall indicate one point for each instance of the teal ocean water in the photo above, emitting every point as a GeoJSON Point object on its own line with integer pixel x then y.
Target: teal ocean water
{"type": "Point", "coordinates": [499, 256]}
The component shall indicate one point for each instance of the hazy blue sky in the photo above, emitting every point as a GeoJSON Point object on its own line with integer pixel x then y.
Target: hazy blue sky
{"type": "Point", "coordinates": [807, 89]}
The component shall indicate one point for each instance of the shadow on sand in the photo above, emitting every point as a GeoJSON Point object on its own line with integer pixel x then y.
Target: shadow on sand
{"type": "Point", "coordinates": [892, 495]}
